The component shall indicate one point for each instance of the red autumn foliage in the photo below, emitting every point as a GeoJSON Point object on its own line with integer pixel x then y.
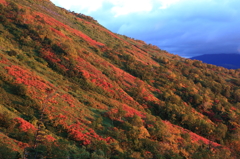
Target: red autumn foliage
{"type": "Point", "coordinates": [101, 82]}
{"type": "Point", "coordinates": [24, 125]}
{"type": "Point", "coordinates": [194, 137]}
{"type": "Point", "coordinates": [197, 138]}
{"type": "Point", "coordinates": [69, 99]}
{"type": "Point", "coordinates": [216, 101]}
{"type": "Point", "coordinates": [106, 76]}
{"type": "Point", "coordinates": [90, 70]}
{"type": "Point", "coordinates": [48, 55]}
{"type": "Point", "coordinates": [11, 143]}
{"type": "Point", "coordinates": [131, 111]}
{"type": "Point", "coordinates": [59, 33]}
{"type": "Point", "coordinates": [211, 116]}
{"type": "Point", "coordinates": [85, 74]}
{"type": "Point", "coordinates": [21, 144]}
{"type": "Point", "coordinates": [148, 96]}
{"type": "Point", "coordinates": [94, 75]}
{"type": "Point", "coordinates": [53, 22]}
{"type": "Point", "coordinates": [49, 138]}
{"type": "Point", "coordinates": [77, 135]}
{"type": "Point", "coordinates": [142, 56]}
{"type": "Point", "coordinates": [24, 76]}
{"type": "Point", "coordinates": [60, 116]}
{"type": "Point", "coordinates": [3, 2]}
{"type": "Point", "coordinates": [61, 119]}
{"type": "Point", "coordinates": [99, 79]}
{"type": "Point", "coordinates": [3, 60]}
{"type": "Point", "coordinates": [76, 132]}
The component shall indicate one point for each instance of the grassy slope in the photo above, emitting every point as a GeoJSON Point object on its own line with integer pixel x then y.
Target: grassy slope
{"type": "Point", "coordinates": [99, 94]}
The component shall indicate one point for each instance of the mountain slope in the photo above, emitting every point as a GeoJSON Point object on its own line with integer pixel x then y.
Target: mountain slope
{"type": "Point", "coordinates": [70, 88]}
{"type": "Point", "coordinates": [230, 61]}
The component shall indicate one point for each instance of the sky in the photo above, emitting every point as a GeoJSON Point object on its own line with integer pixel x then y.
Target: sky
{"type": "Point", "coordinates": [184, 27]}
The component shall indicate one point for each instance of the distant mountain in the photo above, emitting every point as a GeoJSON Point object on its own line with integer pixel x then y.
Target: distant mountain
{"type": "Point", "coordinates": [230, 61]}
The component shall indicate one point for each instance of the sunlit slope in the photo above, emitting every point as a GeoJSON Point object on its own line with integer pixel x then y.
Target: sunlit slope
{"type": "Point", "coordinates": [70, 88]}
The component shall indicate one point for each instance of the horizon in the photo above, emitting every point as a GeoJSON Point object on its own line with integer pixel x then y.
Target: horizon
{"type": "Point", "coordinates": [180, 27]}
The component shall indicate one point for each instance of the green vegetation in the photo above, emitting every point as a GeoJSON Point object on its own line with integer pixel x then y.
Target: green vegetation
{"type": "Point", "coordinates": [70, 88]}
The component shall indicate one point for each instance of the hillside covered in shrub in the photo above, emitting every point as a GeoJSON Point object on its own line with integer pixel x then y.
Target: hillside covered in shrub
{"type": "Point", "coordinates": [72, 89]}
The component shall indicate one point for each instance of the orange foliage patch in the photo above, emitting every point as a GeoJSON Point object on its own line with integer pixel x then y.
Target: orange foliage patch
{"type": "Point", "coordinates": [24, 125]}
{"type": "Point", "coordinates": [21, 144]}
{"type": "Point", "coordinates": [3, 2]}
{"type": "Point", "coordinates": [197, 138]}
{"type": "Point", "coordinates": [3, 60]}
{"type": "Point", "coordinates": [24, 76]}
{"type": "Point", "coordinates": [131, 111]}
{"type": "Point", "coordinates": [201, 116]}
{"type": "Point", "coordinates": [87, 68]}
{"type": "Point", "coordinates": [85, 74]}
{"type": "Point", "coordinates": [59, 33]}
{"type": "Point", "coordinates": [94, 75]}
{"type": "Point", "coordinates": [147, 96]}
{"type": "Point", "coordinates": [53, 22]}
{"type": "Point", "coordinates": [142, 56]}
{"type": "Point", "coordinates": [194, 137]}
{"type": "Point", "coordinates": [50, 56]}
{"type": "Point", "coordinates": [12, 144]}
{"type": "Point", "coordinates": [76, 132]}
{"type": "Point", "coordinates": [69, 99]}
{"type": "Point", "coordinates": [49, 138]}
